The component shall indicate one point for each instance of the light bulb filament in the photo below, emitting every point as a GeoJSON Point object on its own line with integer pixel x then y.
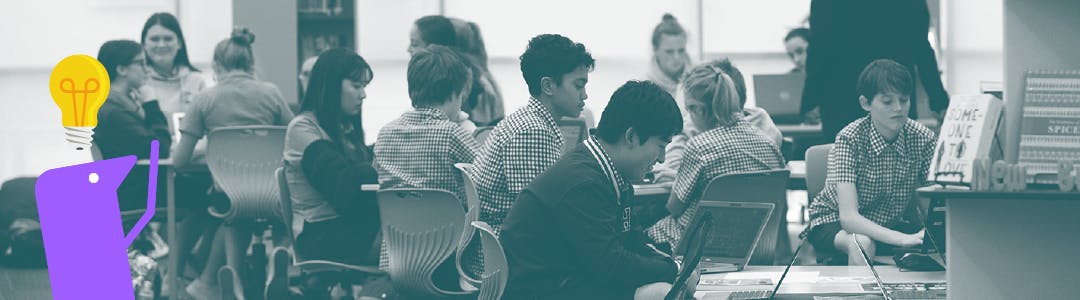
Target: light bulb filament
{"type": "Point", "coordinates": [67, 85]}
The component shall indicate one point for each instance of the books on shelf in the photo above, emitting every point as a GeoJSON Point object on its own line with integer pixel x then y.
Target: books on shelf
{"type": "Point", "coordinates": [1050, 123]}
{"type": "Point", "coordinates": [967, 133]}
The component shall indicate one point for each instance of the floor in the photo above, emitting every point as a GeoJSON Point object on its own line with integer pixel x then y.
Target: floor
{"type": "Point", "coordinates": [24, 284]}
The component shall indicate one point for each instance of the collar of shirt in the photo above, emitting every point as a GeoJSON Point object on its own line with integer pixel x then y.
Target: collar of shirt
{"type": "Point", "coordinates": [535, 104]}
{"type": "Point", "coordinates": [617, 182]}
{"type": "Point", "coordinates": [234, 76]}
{"type": "Point", "coordinates": [427, 113]}
{"type": "Point", "coordinates": [878, 143]}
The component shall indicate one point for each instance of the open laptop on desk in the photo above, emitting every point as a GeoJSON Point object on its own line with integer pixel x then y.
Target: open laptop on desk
{"type": "Point", "coordinates": [781, 96]}
{"type": "Point", "coordinates": [736, 229]}
{"type": "Point", "coordinates": [897, 291]}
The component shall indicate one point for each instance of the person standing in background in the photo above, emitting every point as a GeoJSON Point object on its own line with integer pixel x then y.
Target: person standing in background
{"type": "Point", "coordinates": [848, 35]}
{"type": "Point", "coordinates": [484, 103]}
{"type": "Point", "coordinates": [172, 77]}
{"type": "Point", "coordinates": [795, 43]}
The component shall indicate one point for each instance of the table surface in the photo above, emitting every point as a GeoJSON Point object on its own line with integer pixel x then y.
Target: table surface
{"type": "Point", "coordinates": [814, 279]}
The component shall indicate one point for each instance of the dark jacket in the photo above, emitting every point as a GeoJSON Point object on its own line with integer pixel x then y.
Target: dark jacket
{"type": "Point", "coordinates": [564, 238]}
{"type": "Point", "coordinates": [338, 179]}
{"type": "Point", "coordinates": [122, 131]}
{"type": "Point", "coordinates": [847, 36]}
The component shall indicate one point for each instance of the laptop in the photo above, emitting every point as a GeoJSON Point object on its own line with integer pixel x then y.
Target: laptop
{"type": "Point", "coordinates": [891, 291]}
{"type": "Point", "coordinates": [695, 235]}
{"type": "Point", "coordinates": [736, 230]}
{"type": "Point", "coordinates": [781, 96]}
{"type": "Point", "coordinates": [759, 294]}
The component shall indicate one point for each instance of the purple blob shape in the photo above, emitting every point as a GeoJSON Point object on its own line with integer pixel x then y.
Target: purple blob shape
{"type": "Point", "coordinates": [84, 237]}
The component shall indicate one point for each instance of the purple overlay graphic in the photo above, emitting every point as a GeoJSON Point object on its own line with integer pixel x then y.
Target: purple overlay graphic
{"type": "Point", "coordinates": [85, 244]}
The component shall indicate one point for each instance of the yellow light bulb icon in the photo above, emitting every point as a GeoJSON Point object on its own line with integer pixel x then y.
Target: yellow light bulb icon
{"type": "Point", "coordinates": [79, 85]}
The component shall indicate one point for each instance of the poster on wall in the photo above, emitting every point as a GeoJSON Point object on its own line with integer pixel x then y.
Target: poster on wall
{"type": "Point", "coordinates": [1050, 123]}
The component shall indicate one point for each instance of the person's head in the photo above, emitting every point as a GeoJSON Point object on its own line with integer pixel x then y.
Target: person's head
{"type": "Point", "coordinates": [556, 70]}
{"type": "Point", "coordinates": [795, 43]}
{"type": "Point", "coordinates": [164, 41]}
{"type": "Point", "coordinates": [336, 90]}
{"type": "Point", "coordinates": [728, 68]}
{"type": "Point", "coordinates": [433, 29]}
{"type": "Point", "coordinates": [469, 41]}
{"type": "Point", "coordinates": [669, 46]}
{"type": "Point", "coordinates": [639, 121]}
{"type": "Point", "coordinates": [884, 89]}
{"type": "Point", "coordinates": [438, 78]}
{"type": "Point", "coordinates": [234, 53]}
{"type": "Point", "coordinates": [125, 62]}
{"type": "Point", "coordinates": [711, 95]}
{"type": "Point", "coordinates": [305, 72]}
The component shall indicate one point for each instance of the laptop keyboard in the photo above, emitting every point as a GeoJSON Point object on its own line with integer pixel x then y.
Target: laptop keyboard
{"type": "Point", "coordinates": [913, 290]}
{"type": "Point", "coordinates": [750, 295]}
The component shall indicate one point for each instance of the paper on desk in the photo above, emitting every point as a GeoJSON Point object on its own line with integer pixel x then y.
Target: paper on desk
{"type": "Point", "coordinates": [811, 276]}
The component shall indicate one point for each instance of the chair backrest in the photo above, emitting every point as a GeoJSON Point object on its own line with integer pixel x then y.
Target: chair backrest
{"type": "Point", "coordinates": [481, 134]}
{"type": "Point", "coordinates": [243, 161]}
{"type": "Point", "coordinates": [421, 228]}
{"type": "Point", "coordinates": [761, 187]}
{"type": "Point", "coordinates": [573, 132]}
{"type": "Point", "coordinates": [472, 214]}
{"type": "Point", "coordinates": [817, 168]}
{"type": "Point", "coordinates": [496, 269]}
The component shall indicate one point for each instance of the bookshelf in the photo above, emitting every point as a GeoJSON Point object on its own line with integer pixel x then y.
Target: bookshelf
{"type": "Point", "coordinates": [324, 24]}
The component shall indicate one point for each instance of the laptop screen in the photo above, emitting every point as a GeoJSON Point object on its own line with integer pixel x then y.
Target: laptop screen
{"type": "Point", "coordinates": [695, 234]}
{"type": "Point", "coordinates": [735, 228]}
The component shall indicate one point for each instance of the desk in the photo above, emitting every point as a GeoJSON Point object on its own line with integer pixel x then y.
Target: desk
{"type": "Point", "coordinates": [797, 179]}
{"type": "Point", "coordinates": [813, 279]}
{"type": "Point", "coordinates": [166, 165]}
{"type": "Point", "coordinates": [1010, 245]}
{"type": "Point", "coordinates": [799, 131]}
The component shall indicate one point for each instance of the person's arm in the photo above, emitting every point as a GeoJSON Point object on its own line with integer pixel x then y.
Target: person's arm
{"type": "Point", "coordinates": [191, 130]}
{"type": "Point", "coordinates": [686, 182]}
{"type": "Point", "coordinates": [463, 146]}
{"type": "Point", "coordinates": [673, 156]}
{"type": "Point", "coordinates": [927, 67]}
{"type": "Point", "coordinates": [130, 135]}
{"type": "Point", "coordinates": [333, 175]}
{"type": "Point", "coordinates": [526, 155]}
{"type": "Point", "coordinates": [588, 219]}
{"type": "Point", "coordinates": [842, 166]}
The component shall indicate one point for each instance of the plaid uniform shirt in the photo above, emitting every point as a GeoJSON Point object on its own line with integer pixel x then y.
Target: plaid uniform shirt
{"type": "Point", "coordinates": [885, 174]}
{"type": "Point", "coordinates": [520, 148]}
{"type": "Point", "coordinates": [419, 150]}
{"type": "Point", "coordinates": [722, 150]}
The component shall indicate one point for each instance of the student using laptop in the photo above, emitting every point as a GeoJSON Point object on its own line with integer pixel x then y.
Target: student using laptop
{"type": "Point", "coordinates": [699, 90]}
{"type": "Point", "coordinates": [569, 233]}
{"type": "Point", "coordinates": [730, 145]}
{"type": "Point", "coordinates": [874, 168]}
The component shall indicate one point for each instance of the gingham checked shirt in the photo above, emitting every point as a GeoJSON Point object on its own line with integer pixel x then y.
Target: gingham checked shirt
{"type": "Point", "coordinates": [885, 174]}
{"type": "Point", "coordinates": [521, 147]}
{"type": "Point", "coordinates": [419, 150]}
{"type": "Point", "coordinates": [722, 150]}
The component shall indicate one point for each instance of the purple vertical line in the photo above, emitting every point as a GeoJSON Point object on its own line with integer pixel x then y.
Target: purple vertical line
{"type": "Point", "coordinates": [151, 196]}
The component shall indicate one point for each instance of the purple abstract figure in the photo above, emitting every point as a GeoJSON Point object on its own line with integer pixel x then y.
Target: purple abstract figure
{"type": "Point", "coordinates": [85, 244]}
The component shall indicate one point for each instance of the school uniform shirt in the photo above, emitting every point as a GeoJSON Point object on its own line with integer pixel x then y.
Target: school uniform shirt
{"type": "Point", "coordinates": [419, 150]}
{"type": "Point", "coordinates": [722, 150]}
{"type": "Point", "coordinates": [520, 148]}
{"type": "Point", "coordinates": [238, 100]}
{"type": "Point", "coordinates": [175, 91]}
{"type": "Point", "coordinates": [885, 174]}
{"type": "Point", "coordinates": [673, 155]}
{"type": "Point", "coordinates": [126, 128]}
{"type": "Point", "coordinates": [568, 236]}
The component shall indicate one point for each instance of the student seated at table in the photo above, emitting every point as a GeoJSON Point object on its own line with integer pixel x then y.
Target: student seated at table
{"type": "Point", "coordinates": [701, 117]}
{"type": "Point", "coordinates": [326, 161]}
{"type": "Point", "coordinates": [419, 149]}
{"type": "Point", "coordinates": [874, 168]}
{"type": "Point", "coordinates": [568, 235]}
{"type": "Point", "coordinates": [238, 99]}
{"type": "Point", "coordinates": [732, 145]}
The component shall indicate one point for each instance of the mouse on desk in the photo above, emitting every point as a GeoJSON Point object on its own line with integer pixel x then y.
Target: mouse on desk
{"type": "Point", "coordinates": [917, 262]}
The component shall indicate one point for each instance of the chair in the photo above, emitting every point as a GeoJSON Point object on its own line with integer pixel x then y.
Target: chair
{"type": "Point", "coordinates": [472, 198]}
{"type": "Point", "coordinates": [421, 228]}
{"type": "Point", "coordinates": [763, 187]}
{"type": "Point", "coordinates": [817, 163]}
{"type": "Point", "coordinates": [495, 266]}
{"type": "Point", "coordinates": [315, 267]}
{"type": "Point", "coordinates": [573, 132]}
{"type": "Point", "coordinates": [242, 161]}
{"type": "Point", "coordinates": [481, 134]}
{"type": "Point", "coordinates": [229, 282]}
